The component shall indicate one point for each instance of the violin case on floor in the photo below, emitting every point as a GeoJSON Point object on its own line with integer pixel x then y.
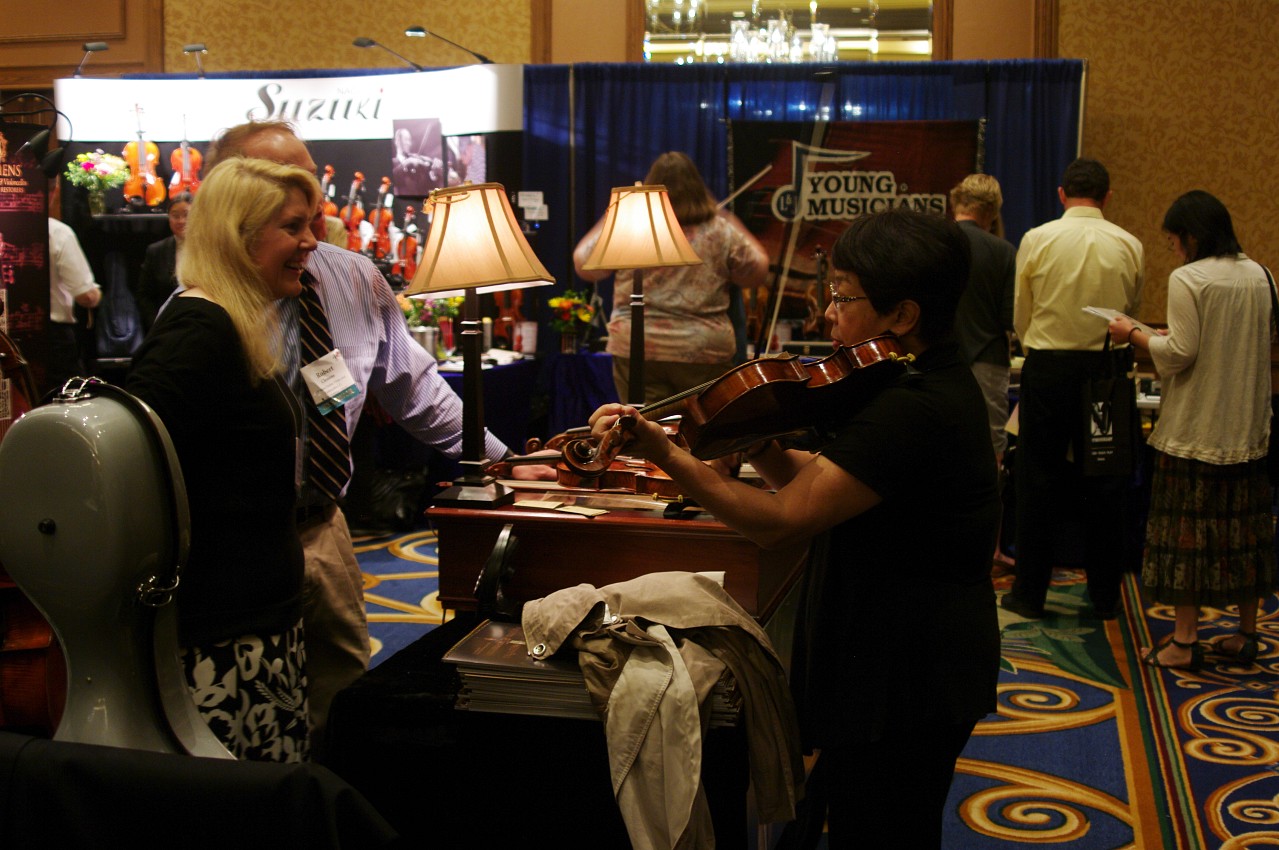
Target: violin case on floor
{"type": "Point", "coordinates": [94, 530]}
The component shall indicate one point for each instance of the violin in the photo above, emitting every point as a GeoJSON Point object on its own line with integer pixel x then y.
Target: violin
{"type": "Point", "coordinates": [327, 190]}
{"type": "Point", "coordinates": [353, 213]}
{"type": "Point", "coordinates": [624, 474]}
{"type": "Point", "coordinates": [766, 398]}
{"type": "Point", "coordinates": [186, 163]}
{"type": "Point", "coordinates": [143, 186]}
{"type": "Point", "coordinates": [380, 219]}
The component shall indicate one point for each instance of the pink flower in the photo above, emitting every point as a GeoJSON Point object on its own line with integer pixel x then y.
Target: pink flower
{"type": "Point", "coordinates": [88, 166]}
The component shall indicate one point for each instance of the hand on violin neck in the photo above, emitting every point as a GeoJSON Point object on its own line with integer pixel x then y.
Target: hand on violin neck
{"type": "Point", "coordinates": [617, 425]}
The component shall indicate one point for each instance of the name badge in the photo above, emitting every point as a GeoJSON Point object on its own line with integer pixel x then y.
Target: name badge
{"type": "Point", "coordinates": [329, 381]}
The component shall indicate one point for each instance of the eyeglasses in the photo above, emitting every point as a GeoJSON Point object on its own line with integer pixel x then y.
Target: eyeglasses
{"type": "Point", "coordinates": [844, 299]}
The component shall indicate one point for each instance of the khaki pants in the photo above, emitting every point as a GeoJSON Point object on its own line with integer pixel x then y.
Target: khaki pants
{"type": "Point", "coordinates": [663, 379]}
{"type": "Point", "coordinates": [337, 628]}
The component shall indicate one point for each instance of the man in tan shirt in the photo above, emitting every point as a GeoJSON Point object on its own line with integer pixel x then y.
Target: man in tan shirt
{"type": "Point", "coordinates": [1079, 260]}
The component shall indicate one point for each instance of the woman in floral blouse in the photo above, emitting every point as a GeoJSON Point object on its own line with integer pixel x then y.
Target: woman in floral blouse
{"type": "Point", "coordinates": [688, 336]}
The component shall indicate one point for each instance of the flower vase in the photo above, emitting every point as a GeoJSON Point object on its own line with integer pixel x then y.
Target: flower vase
{"type": "Point", "coordinates": [568, 342]}
{"type": "Point", "coordinates": [97, 202]}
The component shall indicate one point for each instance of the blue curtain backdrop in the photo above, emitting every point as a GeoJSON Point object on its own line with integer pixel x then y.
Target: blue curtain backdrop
{"type": "Point", "coordinates": [624, 115]}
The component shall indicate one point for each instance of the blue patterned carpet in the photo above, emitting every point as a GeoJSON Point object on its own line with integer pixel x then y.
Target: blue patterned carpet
{"type": "Point", "coordinates": [1090, 750]}
{"type": "Point", "coordinates": [401, 588]}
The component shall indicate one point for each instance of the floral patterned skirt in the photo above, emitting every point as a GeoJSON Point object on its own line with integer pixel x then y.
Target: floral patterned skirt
{"type": "Point", "coordinates": [252, 691]}
{"type": "Point", "coordinates": [1210, 533]}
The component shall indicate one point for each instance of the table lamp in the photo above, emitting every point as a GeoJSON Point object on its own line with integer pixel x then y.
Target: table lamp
{"type": "Point", "coordinates": [474, 245]}
{"type": "Point", "coordinates": [640, 232]}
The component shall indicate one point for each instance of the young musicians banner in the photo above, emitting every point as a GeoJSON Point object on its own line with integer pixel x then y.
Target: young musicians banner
{"type": "Point", "coordinates": [801, 184]}
{"type": "Point", "coordinates": [24, 265]}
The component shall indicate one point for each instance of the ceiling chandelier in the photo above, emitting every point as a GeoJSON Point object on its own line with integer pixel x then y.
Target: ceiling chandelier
{"type": "Point", "coordinates": [756, 31]}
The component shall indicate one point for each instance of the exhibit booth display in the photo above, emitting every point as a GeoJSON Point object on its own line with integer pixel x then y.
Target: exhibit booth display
{"type": "Point", "coordinates": [382, 142]}
{"type": "Point", "coordinates": [560, 138]}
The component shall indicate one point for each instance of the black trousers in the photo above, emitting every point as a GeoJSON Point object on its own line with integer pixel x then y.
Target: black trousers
{"type": "Point", "coordinates": [885, 793]}
{"type": "Point", "coordinates": [62, 358]}
{"type": "Point", "coordinates": [1051, 490]}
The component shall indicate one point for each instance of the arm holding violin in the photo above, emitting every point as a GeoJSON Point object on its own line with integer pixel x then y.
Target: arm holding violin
{"type": "Point", "coordinates": [819, 496]}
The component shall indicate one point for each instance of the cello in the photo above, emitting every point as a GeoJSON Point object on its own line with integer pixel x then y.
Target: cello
{"type": "Point", "coordinates": [33, 670]}
{"type": "Point", "coordinates": [406, 249]}
{"type": "Point", "coordinates": [143, 188]}
{"type": "Point", "coordinates": [766, 398]}
{"type": "Point", "coordinates": [327, 190]}
{"type": "Point", "coordinates": [380, 219]}
{"type": "Point", "coordinates": [186, 163]}
{"type": "Point", "coordinates": [353, 213]}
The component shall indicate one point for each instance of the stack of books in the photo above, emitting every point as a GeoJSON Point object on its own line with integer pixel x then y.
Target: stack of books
{"type": "Point", "coordinates": [498, 675]}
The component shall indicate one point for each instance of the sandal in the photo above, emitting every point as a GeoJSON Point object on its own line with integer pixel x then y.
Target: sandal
{"type": "Point", "coordinates": [1151, 658]}
{"type": "Point", "coordinates": [1247, 650]}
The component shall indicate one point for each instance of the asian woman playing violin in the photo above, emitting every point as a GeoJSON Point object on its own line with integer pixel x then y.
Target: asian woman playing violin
{"type": "Point", "coordinates": [897, 642]}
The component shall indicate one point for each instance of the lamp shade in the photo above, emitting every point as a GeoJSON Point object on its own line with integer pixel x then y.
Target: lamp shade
{"type": "Point", "coordinates": [640, 231]}
{"type": "Point", "coordinates": [475, 243]}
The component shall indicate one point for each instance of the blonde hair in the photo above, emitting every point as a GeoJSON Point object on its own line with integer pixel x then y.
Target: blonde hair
{"type": "Point", "coordinates": [237, 201]}
{"type": "Point", "coordinates": [977, 193]}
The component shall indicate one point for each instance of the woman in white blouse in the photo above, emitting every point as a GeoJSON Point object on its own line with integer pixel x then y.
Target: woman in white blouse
{"type": "Point", "coordinates": [1210, 533]}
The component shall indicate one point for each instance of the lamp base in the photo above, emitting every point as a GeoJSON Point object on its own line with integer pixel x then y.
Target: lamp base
{"type": "Point", "coordinates": [479, 494]}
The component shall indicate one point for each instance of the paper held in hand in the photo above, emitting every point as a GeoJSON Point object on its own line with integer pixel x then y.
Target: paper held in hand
{"type": "Point", "coordinates": [1108, 314]}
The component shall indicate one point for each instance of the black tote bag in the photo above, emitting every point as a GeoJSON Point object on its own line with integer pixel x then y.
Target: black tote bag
{"type": "Point", "coordinates": [1108, 409]}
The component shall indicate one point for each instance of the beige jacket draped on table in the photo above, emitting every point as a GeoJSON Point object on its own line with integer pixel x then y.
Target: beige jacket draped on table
{"type": "Point", "coordinates": [651, 649]}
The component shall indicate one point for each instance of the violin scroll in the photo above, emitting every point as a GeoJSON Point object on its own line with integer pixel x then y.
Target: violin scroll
{"type": "Point", "coordinates": [590, 458]}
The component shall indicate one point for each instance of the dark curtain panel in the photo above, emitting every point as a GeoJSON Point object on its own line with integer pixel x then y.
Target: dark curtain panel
{"type": "Point", "coordinates": [1032, 133]}
{"type": "Point", "coordinates": [548, 168]}
{"type": "Point", "coordinates": [626, 114]}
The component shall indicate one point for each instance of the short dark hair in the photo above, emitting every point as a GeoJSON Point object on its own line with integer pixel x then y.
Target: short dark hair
{"type": "Point", "coordinates": [1086, 178]}
{"type": "Point", "coordinates": [903, 255]}
{"type": "Point", "coordinates": [1203, 218]}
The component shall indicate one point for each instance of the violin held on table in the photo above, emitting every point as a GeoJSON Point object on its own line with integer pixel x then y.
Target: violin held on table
{"type": "Point", "coordinates": [143, 188]}
{"type": "Point", "coordinates": [624, 474]}
{"type": "Point", "coordinates": [763, 399]}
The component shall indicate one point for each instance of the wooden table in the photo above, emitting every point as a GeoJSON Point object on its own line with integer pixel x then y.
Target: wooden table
{"type": "Point", "coordinates": [557, 550]}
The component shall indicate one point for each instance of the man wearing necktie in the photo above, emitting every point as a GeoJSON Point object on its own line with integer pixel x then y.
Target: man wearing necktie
{"type": "Point", "coordinates": [366, 329]}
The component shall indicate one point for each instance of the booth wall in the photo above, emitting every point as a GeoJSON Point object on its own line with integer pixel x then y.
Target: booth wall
{"type": "Point", "coordinates": [248, 35]}
{"type": "Point", "coordinates": [1181, 96]}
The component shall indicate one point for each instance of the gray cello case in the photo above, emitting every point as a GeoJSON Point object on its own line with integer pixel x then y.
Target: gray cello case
{"type": "Point", "coordinates": [94, 529]}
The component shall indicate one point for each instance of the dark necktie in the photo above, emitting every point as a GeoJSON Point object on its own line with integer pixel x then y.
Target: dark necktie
{"type": "Point", "coordinates": [328, 445]}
